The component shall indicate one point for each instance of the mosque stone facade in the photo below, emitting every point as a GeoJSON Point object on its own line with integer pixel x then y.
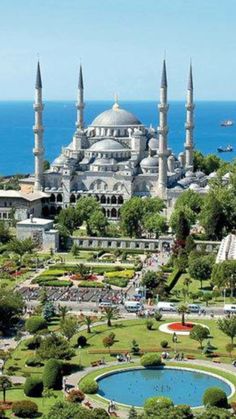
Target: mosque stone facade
{"type": "Point", "coordinates": [114, 158]}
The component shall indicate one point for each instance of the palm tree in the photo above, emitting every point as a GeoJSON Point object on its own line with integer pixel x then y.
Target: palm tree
{"type": "Point", "coordinates": [88, 321]}
{"type": "Point", "coordinates": [187, 281]}
{"type": "Point", "coordinates": [183, 309]}
{"type": "Point", "coordinates": [109, 314]}
{"type": "Point", "coordinates": [63, 310]}
{"type": "Point", "coordinates": [5, 383]}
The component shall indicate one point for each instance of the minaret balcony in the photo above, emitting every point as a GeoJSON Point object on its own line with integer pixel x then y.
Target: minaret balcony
{"type": "Point", "coordinates": [190, 106]}
{"type": "Point", "coordinates": [38, 107]}
{"type": "Point", "coordinates": [189, 125]}
{"type": "Point", "coordinates": [188, 146]}
{"type": "Point", "coordinates": [38, 151]}
{"type": "Point", "coordinates": [163, 107]}
{"type": "Point", "coordinates": [162, 130]}
{"type": "Point", "coordinates": [38, 129]}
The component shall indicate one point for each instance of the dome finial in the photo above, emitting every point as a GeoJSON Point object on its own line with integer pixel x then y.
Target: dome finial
{"type": "Point", "coordinates": [116, 104]}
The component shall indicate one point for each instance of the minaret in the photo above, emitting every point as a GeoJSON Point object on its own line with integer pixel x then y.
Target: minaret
{"type": "Point", "coordinates": [38, 132]}
{"type": "Point", "coordinates": [80, 102]}
{"type": "Point", "coordinates": [189, 125]}
{"type": "Point", "coordinates": [163, 131]}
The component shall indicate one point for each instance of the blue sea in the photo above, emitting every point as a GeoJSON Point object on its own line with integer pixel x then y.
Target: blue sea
{"type": "Point", "coordinates": [17, 118]}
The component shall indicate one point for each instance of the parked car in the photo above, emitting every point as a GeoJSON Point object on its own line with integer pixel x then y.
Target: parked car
{"type": "Point", "coordinates": [166, 306]}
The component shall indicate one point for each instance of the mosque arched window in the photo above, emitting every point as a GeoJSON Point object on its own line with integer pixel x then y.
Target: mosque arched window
{"type": "Point", "coordinates": [120, 200]}
{"type": "Point", "coordinates": [108, 213]}
{"type": "Point", "coordinates": [113, 213]}
{"type": "Point", "coordinates": [52, 198]}
{"type": "Point", "coordinates": [53, 210]}
{"type": "Point", "coordinates": [72, 198]}
{"type": "Point", "coordinates": [108, 200]}
{"type": "Point", "coordinates": [103, 199]}
{"type": "Point", "coordinates": [59, 197]}
{"type": "Point", "coordinates": [113, 199]}
{"type": "Point", "coordinates": [59, 209]}
{"type": "Point", "coordinates": [45, 211]}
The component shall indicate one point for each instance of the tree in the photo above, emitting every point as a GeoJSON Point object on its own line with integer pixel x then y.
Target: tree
{"type": "Point", "coordinates": [150, 279]}
{"type": "Point", "coordinates": [207, 296]}
{"type": "Point", "coordinates": [109, 341]}
{"type": "Point", "coordinates": [199, 333]}
{"type": "Point", "coordinates": [200, 268]}
{"type": "Point", "coordinates": [155, 224]}
{"type": "Point", "coordinates": [82, 270]}
{"type": "Point", "coordinates": [43, 296]}
{"type": "Point", "coordinates": [11, 308]}
{"type": "Point", "coordinates": [189, 244]}
{"type": "Point", "coordinates": [54, 346]}
{"type": "Point", "coordinates": [63, 310]}
{"type": "Point", "coordinates": [229, 348]}
{"type": "Point", "coordinates": [109, 314]}
{"type": "Point", "coordinates": [69, 218]}
{"type": "Point", "coordinates": [66, 410]}
{"type": "Point", "coordinates": [20, 247]}
{"type": "Point", "coordinates": [212, 216]}
{"type": "Point", "coordinates": [180, 222]}
{"type": "Point", "coordinates": [183, 309]}
{"type": "Point", "coordinates": [215, 413]}
{"type": "Point", "coordinates": [85, 207]}
{"type": "Point", "coordinates": [135, 349]}
{"type": "Point", "coordinates": [88, 321]}
{"type": "Point", "coordinates": [75, 249]}
{"type": "Point", "coordinates": [189, 199]}
{"type": "Point", "coordinates": [131, 214]}
{"type": "Point", "coordinates": [46, 165]}
{"type": "Point", "coordinates": [98, 223]}
{"type": "Point", "coordinates": [228, 327]}
{"type": "Point", "coordinates": [48, 311]}
{"type": "Point", "coordinates": [5, 384]}
{"type": "Point", "coordinates": [133, 414]}
{"type": "Point", "coordinates": [69, 327]}
{"type": "Point", "coordinates": [4, 233]}
{"type": "Point", "coordinates": [224, 275]}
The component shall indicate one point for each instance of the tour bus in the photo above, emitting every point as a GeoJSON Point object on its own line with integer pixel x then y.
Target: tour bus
{"type": "Point", "coordinates": [165, 306]}
{"type": "Point", "coordinates": [229, 308]}
{"type": "Point", "coordinates": [133, 306]}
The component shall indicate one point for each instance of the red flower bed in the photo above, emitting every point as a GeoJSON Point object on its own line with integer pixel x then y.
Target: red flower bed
{"type": "Point", "coordinates": [178, 327]}
{"type": "Point", "coordinates": [5, 406]}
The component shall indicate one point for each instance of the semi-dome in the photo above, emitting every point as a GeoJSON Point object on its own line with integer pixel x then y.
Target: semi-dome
{"type": "Point", "coordinates": [153, 143]}
{"type": "Point", "coordinates": [105, 162]}
{"type": "Point", "coordinates": [149, 162]}
{"type": "Point", "coordinates": [107, 145]}
{"type": "Point", "coordinates": [60, 160]}
{"type": "Point", "coordinates": [115, 117]}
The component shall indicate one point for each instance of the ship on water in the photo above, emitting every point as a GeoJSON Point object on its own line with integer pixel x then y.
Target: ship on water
{"type": "Point", "coordinates": [227, 123]}
{"type": "Point", "coordinates": [226, 149]}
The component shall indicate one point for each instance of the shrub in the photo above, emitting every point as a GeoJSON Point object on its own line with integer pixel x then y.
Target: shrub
{"type": "Point", "coordinates": [149, 324]}
{"type": "Point", "coordinates": [164, 343]}
{"type": "Point", "coordinates": [152, 404]}
{"type": "Point", "coordinates": [151, 360]}
{"type": "Point", "coordinates": [88, 284]}
{"type": "Point", "coordinates": [117, 282]}
{"type": "Point", "coordinates": [75, 396]}
{"type": "Point", "coordinates": [82, 341]}
{"type": "Point", "coordinates": [127, 273]}
{"type": "Point", "coordinates": [35, 323]}
{"type": "Point", "coordinates": [34, 361]}
{"type": "Point", "coordinates": [214, 396]}
{"type": "Point", "coordinates": [55, 283]}
{"type": "Point", "coordinates": [55, 346]}
{"type": "Point", "coordinates": [158, 316]}
{"type": "Point", "coordinates": [24, 408]}
{"type": "Point", "coordinates": [99, 413]}
{"type": "Point", "coordinates": [33, 343]}
{"type": "Point", "coordinates": [52, 374]}
{"type": "Point", "coordinates": [88, 386]}
{"type": "Point", "coordinates": [135, 349]}
{"type": "Point", "coordinates": [33, 387]}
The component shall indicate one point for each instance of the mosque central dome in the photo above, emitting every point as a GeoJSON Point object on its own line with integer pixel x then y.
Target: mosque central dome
{"type": "Point", "coordinates": [115, 117]}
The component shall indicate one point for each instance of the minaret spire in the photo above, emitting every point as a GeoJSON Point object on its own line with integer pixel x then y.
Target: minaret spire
{"type": "Point", "coordinates": [38, 132]}
{"type": "Point", "coordinates": [163, 131]}
{"type": "Point", "coordinates": [80, 101]}
{"type": "Point", "coordinates": [189, 125]}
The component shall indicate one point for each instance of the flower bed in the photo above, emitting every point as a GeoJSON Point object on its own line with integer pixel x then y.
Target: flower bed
{"type": "Point", "coordinates": [178, 327]}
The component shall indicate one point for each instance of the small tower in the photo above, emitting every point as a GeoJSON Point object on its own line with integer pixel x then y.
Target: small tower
{"type": "Point", "coordinates": [189, 125]}
{"type": "Point", "coordinates": [80, 102]}
{"type": "Point", "coordinates": [162, 132]}
{"type": "Point", "coordinates": [38, 132]}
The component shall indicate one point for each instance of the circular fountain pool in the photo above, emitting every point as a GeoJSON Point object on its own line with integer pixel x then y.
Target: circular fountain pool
{"type": "Point", "coordinates": [182, 385]}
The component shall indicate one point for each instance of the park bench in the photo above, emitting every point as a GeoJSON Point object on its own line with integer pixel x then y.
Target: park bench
{"type": "Point", "coordinates": [96, 363]}
{"type": "Point", "coordinates": [190, 357]}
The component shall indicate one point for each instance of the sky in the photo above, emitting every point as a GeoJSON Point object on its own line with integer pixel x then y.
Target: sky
{"type": "Point", "coordinates": [121, 44]}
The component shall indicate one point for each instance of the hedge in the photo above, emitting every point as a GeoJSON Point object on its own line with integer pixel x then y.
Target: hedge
{"type": "Point", "coordinates": [88, 386]}
{"type": "Point", "coordinates": [52, 374]}
{"type": "Point", "coordinates": [154, 403]}
{"type": "Point", "coordinates": [35, 323]}
{"type": "Point", "coordinates": [127, 273]}
{"type": "Point", "coordinates": [214, 396]}
{"type": "Point", "coordinates": [34, 342]}
{"type": "Point", "coordinates": [88, 284]}
{"type": "Point", "coordinates": [24, 408]}
{"type": "Point", "coordinates": [75, 396]}
{"type": "Point", "coordinates": [117, 282]}
{"type": "Point", "coordinates": [34, 361]}
{"type": "Point", "coordinates": [173, 278]}
{"type": "Point", "coordinates": [55, 283]}
{"type": "Point", "coordinates": [151, 360]}
{"type": "Point", "coordinates": [33, 387]}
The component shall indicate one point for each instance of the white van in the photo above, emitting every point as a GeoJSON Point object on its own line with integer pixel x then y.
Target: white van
{"type": "Point", "coordinates": [133, 306]}
{"type": "Point", "coordinates": [165, 306]}
{"type": "Point", "coordinates": [230, 309]}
